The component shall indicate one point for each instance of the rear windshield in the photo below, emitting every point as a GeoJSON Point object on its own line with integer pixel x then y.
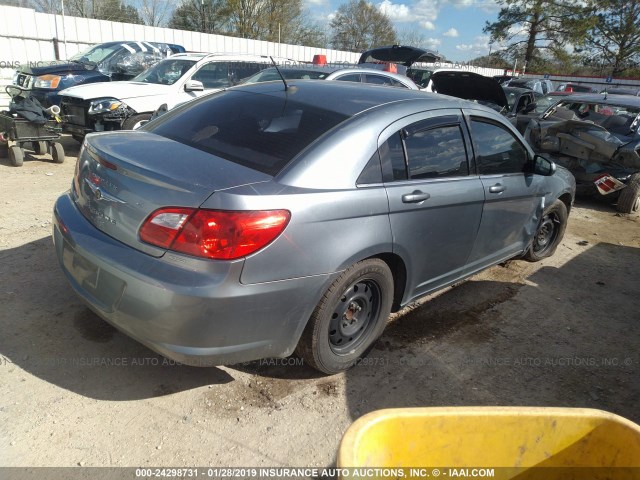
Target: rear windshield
{"type": "Point", "coordinates": [261, 132]}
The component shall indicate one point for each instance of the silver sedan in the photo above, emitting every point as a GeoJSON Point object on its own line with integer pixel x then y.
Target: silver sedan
{"type": "Point", "coordinates": [264, 220]}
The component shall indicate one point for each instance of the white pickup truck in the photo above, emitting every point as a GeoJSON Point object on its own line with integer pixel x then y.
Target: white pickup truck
{"type": "Point", "coordinates": [177, 79]}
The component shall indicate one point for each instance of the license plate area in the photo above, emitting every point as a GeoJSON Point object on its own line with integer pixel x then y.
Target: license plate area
{"type": "Point", "coordinates": [102, 287]}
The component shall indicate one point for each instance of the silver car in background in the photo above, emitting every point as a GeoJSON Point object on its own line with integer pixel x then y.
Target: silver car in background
{"type": "Point", "coordinates": [267, 219]}
{"type": "Point", "coordinates": [338, 73]}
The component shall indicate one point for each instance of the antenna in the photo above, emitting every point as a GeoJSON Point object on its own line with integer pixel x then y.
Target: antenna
{"type": "Point", "coordinates": [286, 87]}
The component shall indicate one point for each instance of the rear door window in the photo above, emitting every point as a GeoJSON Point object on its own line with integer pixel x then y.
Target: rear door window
{"type": "Point", "coordinates": [433, 148]}
{"type": "Point", "coordinates": [437, 152]}
{"type": "Point", "coordinates": [262, 132]}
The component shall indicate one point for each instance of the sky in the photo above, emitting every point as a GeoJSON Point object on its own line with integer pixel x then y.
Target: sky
{"type": "Point", "coordinates": [452, 27]}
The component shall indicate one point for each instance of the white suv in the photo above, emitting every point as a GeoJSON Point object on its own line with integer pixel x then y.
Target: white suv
{"type": "Point", "coordinates": [177, 79]}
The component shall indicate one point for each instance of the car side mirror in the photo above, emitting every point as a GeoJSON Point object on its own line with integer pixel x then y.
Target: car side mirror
{"type": "Point", "coordinates": [530, 107]}
{"type": "Point", "coordinates": [543, 166]}
{"type": "Point", "coordinates": [193, 86]}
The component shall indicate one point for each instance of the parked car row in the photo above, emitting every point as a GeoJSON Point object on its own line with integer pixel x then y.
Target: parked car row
{"type": "Point", "coordinates": [178, 79]}
{"type": "Point", "coordinates": [103, 62]}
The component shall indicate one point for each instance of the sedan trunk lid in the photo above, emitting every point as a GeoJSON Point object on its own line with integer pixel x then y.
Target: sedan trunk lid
{"type": "Point", "coordinates": [401, 54]}
{"type": "Point", "coordinates": [122, 177]}
{"type": "Point", "coordinates": [469, 86]}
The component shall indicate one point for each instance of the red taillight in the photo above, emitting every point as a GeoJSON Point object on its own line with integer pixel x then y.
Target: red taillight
{"type": "Point", "coordinates": [217, 234]}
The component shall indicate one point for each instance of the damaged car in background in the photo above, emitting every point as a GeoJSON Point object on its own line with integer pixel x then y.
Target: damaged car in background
{"type": "Point", "coordinates": [596, 137]}
{"type": "Point", "coordinates": [104, 62]}
{"type": "Point", "coordinates": [129, 104]}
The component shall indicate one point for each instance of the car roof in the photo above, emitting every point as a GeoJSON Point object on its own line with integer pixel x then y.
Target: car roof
{"type": "Point", "coordinates": [623, 100]}
{"type": "Point", "coordinates": [130, 42]}
{"type": "Point", "coordinates": [334, 70]}
{"type": "Point", "coordinates": [330, 69]}
{"type": "Point", "coordinates": [352, 99]}
{"type": "Point", "coordinates": [516, 89]}
{"type": "Point", "coordinates": [623, 91]}
{"type": "Point", "coordinates": [229, 56]}
{"type": "Point", "coordinates": [516, 81]}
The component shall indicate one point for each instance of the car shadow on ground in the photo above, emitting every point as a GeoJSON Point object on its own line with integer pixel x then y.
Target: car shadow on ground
{"type": "Point", "coordinates": [569, 337]}
{"type": "Point", "coordinates": [48, 332]}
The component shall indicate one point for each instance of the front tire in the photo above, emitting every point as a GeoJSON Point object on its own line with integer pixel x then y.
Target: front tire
{"type": "Point", "coordinates": [549, 233]}
{"type": "Point", "coordinates": [349, 318]}
{"type": "Point", "coordinates": [629, 199]}
{"type": "Point", "coordinates": [132, 123]}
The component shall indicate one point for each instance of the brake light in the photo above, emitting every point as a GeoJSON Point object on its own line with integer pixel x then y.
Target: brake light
{"type": "Point", "coordinates": [215, 234]}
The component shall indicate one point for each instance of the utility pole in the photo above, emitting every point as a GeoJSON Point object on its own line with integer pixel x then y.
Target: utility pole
{"type": "Point", "coordinates": [204, 16]}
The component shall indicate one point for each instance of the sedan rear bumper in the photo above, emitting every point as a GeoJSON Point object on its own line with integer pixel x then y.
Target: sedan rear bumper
{"type": "Point", "coordinates": [193, 311]}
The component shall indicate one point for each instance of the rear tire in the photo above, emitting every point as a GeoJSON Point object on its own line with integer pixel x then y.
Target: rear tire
{"type": "Point", "coordinates": [57, 152]}
{"type": "Point", "coordinates": [134, 122]}
{"type": "Point", "coordinates": [349, 318]}
{"type": "Point", "coordinates": [549, 233]}
{"type": "Point", "coordinates": [16, 156]}
{"type": "Point", "coordinates": [629, 199]}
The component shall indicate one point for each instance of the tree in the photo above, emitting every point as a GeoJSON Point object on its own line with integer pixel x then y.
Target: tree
{"type": "Point", "coordinates": [358, 26]}
{"type": "Point", "coordinates": [206, 16]}
{"type": "Point", "coordinates": [155, 12]}
{"type": "Point", "coordinates": [46, 6]}
{"type": "Point", "coordinates": [116, 11]}
{"type": "Point", "coordinates": [113, 10]}
{"type": "Point", "coordinates": [614, 38]}
{"type": "Point", "coordinates": [270, 20]}
{"type": "Point", "coordinates": [531, 27]}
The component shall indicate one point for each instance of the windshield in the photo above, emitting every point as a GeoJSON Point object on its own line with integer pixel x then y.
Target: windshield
{"type": "Point", "coordinates": [420, 77]}
{"type": "Point", "coordinates": [261, 132]}
{"type": "Point", "coordinates": [96, 54]}
{"type": "Point", "coordinates": [542, 103]}
{"type": "Point", "coordinates": [271, 74]}
{"type": "Point", "coordinates": [512, 96]}
{"type": "Point", "coordinates": [166, 72]}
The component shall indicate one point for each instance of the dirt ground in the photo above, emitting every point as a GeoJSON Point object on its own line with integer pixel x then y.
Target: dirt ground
{"type": "Point", "coordinates": [563, 332]}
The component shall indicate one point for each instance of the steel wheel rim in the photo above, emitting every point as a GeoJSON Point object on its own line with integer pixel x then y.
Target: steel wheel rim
{"type": "Point", "coordinates": [546, 234]}
{"type": "Point", "coordinates": [353, 316]}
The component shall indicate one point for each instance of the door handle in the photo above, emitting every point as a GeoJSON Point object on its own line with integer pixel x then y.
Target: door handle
{"type": "Point", "coordinates": [415, 197]}
{"type": "Point", "coordinates": [497, 188]}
